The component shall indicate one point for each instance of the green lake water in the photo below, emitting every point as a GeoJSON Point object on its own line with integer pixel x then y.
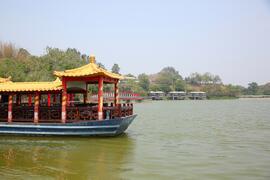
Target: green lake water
{"type": "Point", "coordinates": [215, 139]}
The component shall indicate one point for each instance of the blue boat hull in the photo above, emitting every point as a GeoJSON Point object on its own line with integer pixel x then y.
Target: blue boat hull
{"type": "Point", "coordinates": [111, 127]}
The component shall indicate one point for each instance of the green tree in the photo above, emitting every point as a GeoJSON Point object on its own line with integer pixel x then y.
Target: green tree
{"type": "Point", "coordinates": [144, 82]}
{"type": "Point", "coordinates": [130, 75]}
{"type": "Point", "coordinates": [206, 78]}
{"type": "Point", "coordinates": [22, 54]}
{"type": "Point", "coordinates": [252, 88]}
{"type": "Point", "coordinates": [266, 89]}
{"type": "Point", "coordinates": [194, 78]}
{"type": "Point", "coordinates": [180, 85]}
{"type": "Point", "coordinates": [133, 86]}
{"type": "Point", "coordinates": [101, 65]}
{"type": "Point", "coordinates": [233, 91]}
{"type": "Point", "coordinates": [116, 69]}
{"type": "Point", "coordinates": [154, 87]}
{"type": "Point", "coordinates": [167, 78]}
{"type": "Point", "coordinates": [25, 67]}
{"type": "Point", "coordinates": [217, 79]}
{"type": "Point", "coordinates": [13, 68]}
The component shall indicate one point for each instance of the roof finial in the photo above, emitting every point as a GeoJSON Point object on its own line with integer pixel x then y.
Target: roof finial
{"type": "Point", "coordinates": [92, 59]}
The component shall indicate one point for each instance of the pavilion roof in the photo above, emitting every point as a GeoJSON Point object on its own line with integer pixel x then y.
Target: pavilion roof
{"type": "Point", "coordinates": [31, 86]}
{"type": "Point", "coordinates": [3, 80]}
{"type": "Point", "coordinates": [89, 70]}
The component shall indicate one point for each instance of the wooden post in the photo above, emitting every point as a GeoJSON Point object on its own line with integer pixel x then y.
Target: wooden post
{"type": "Point", "coordinates": [100, 98]}
{"type": "Point", "coordinates": [64, 101]}
{"type": "Point", "coordinates": [36, 108]}
{"type": "Point", "coordinates": [29, 99]}
{"type": "Point", "coordinates": [116, 94]}
{"type": "Point", "coordinates": [10, 108]}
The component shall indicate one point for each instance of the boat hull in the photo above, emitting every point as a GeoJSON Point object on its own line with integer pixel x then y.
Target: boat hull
{"type": "Point", "coordinates": [110, 127]}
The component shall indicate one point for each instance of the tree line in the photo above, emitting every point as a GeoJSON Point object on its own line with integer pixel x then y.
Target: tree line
{"type": "Point", "coordinates": [22, 66]}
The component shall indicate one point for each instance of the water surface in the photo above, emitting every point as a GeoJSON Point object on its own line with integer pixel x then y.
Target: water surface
{"type": "Point", "coordinates": [223, 139]}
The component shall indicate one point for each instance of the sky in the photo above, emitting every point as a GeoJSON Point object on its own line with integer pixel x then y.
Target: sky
{"type": "Point", "coordinates": [230, 38]}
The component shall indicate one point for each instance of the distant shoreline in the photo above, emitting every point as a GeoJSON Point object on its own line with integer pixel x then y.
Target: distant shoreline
{"type": "Point", "coordinates": [215, 98]}
{"type": "Point", "coordinates": [254, 96]}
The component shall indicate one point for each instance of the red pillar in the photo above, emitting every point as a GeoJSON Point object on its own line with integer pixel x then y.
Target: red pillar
{"type": "Point", "coordinates": [36, 108]}
{"type": "Point", "coordinates": [29, 99]}
{"type": "Point", "coordinates": [100, 98]}
{"type": "Point", "coordinates": [64, 101]}
{"type": "Point", "coordinates": [49, 100]}
{"type": "Point", "coordinates": [116, 94]}
{"type": "Point", "coordinates": [10, 108]}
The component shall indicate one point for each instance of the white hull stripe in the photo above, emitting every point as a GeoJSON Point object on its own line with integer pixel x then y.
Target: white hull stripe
{"type": "Point", "coordinates": [58, 133]}
{"type": "Point", "coordinates": [56, 127]}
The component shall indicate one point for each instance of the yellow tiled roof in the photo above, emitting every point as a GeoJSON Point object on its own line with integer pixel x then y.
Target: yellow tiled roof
{"type": "Point", "coordinates": [3, 80]}
{"type": "Point", "coordinates": [31, 86]}
{"type": "Point", "coordinates": [91, 69]}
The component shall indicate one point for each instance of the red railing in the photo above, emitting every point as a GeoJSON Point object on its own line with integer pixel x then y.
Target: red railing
{"type": "Point", "coordinates": [80, 113]}
{"type": "Point", "coordinates": [52, 114]}
{"type": "Point", "coordinates": [21, 113]}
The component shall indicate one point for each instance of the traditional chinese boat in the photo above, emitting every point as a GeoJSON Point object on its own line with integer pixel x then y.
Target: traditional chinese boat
{"type": "Point", "coordinates": [50, 108]}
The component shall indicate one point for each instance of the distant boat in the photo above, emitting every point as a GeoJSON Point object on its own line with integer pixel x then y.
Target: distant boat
{"type": "Point", "coordinates": [177, 95]}
{"type": "Point", "coordinates": [156, 95]}
{"type": "Point", "coordinates": [49, 108]}
{"type": "Point", "coordinates": [197, 95]}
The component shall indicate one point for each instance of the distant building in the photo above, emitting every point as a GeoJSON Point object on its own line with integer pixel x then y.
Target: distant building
{"type": "Point", "coordinates": [177, 95]}
{"type": "Point", "coordinates": [197, 95]}
{"type": "Point", "coordinates": [156, 95]}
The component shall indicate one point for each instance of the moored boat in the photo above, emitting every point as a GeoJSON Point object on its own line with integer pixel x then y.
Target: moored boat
{"type": "Point", "coordinates": [52, 108]}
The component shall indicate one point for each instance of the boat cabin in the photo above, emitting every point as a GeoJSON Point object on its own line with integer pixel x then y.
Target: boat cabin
{"type": "Point", "coordinates": [58, 101]}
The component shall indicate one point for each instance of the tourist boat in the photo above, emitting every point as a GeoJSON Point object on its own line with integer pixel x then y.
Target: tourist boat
{"type": "Point", "coordinates": [156, 95]}
{"type": "Point", "coordinates": [51, 108]}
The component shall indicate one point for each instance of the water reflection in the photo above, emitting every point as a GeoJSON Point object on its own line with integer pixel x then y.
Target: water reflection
{"type": "Point", "coordinates": [62, 158]}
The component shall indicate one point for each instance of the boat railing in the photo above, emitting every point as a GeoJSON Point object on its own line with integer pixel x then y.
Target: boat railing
{"type": "Point", "coordinates": [78, 113]}
{"type": "Point", "coordinates": [49, 114]}
{"type": "Point", "coordinates": [52, 114]}
{"type": "Point", "coordinates": [21, 113]}
{"type": "Point", "coordinates": [3, 112]}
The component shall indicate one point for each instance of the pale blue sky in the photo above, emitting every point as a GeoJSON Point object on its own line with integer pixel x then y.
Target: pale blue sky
{"type": "Point", "coordinates": [226, 37]}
